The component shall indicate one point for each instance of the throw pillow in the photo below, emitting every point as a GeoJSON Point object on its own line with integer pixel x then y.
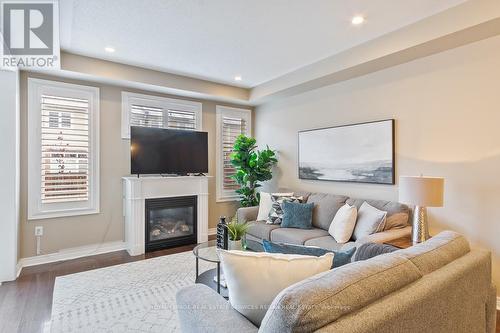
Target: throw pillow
{"type": "Point", "coordinates": [266, 204]}
{"type": "Point", "coordinates": [343, 223]}
{"type": "Point", "coordinates": [297, 215]}
{"type": "Point", "coordinates": [370, 220]}
{"type": "Point", "coordinates": [371, 250]}
{"type": "Point", "coordinates": [340, 258]}
{"type": "Point", "coordinates": [276, 213]}
{"type": "Point", "coordinates": [255, 278]}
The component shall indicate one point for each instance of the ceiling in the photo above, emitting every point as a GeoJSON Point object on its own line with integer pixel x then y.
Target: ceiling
{"type": "Point", "coordinates": [220, 39]}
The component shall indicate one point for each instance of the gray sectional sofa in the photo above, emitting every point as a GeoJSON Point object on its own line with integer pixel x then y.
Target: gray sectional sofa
{"type": "Point", "coordinates": [325, 208]}
{"type": "Point", "coordinates": [440, 285]}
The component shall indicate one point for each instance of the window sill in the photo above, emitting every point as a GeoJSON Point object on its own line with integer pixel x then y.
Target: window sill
{"type": "Point", "coordinates": [53, 215]}
{"type": "Point", "coordinates": [227, 199]}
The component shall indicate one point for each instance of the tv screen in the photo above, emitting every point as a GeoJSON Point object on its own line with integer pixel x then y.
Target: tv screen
{"type": "Point", "coordinates": [168, 151]}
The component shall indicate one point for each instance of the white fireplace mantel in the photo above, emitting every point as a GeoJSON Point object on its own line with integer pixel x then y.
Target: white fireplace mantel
{"type": "Point", "coordinates": [137, 189]}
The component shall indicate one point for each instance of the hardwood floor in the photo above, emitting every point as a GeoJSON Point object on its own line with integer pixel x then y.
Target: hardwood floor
{"type": "Point", "coordinates": [25, 304]}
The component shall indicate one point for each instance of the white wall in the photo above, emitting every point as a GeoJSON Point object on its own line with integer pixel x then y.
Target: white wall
{"type": "Point", "coordinates": [9, 173]}
{"type": "Point", "coordinates": [447, 111]}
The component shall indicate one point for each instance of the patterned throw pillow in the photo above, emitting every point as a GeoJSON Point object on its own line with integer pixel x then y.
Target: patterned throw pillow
{"type": "Point", "coordinates": [276, 213]}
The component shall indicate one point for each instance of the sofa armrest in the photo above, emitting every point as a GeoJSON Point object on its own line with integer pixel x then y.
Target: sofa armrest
{"type": "Point", "coordinates": [202, 310]}
{"type": "Point", "coordinates": [247, 214]}
{"type": "Point", "coordinates": [385, 236]}
{"type": "Point", "coordinates": [491, 310]}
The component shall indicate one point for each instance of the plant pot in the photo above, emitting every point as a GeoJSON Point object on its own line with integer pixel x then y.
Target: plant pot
{"type": "Point", "coordinates": [235, 245]}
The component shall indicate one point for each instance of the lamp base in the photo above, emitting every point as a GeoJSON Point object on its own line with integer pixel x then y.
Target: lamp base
{"type": "Point", "coordinates": [420, 230]}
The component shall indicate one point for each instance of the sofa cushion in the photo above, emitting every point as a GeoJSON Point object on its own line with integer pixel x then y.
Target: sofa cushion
{"type": "Point", "coordinates": [436, 252]}
{"type": "Point", "coordinates": [296, 236]}
{"type": "Point", "coordinates": [304, 194]}
{"type": "Point", "coordinates": [276, 213]}
{"type": "Point", "coordinates": [370, 220]}
{"type": "Point", "coordinates": [343, 223]}
{"type": "Point", "coordinates": [328, 242]}
{"type": "Point", "coordinates": [397, 213]}
{"type": "Point", "coordinates": [297, 215]}
{"type": "Point", "coordinates": [266, 204]}
{"type": "Point", "coordinates": [325, 208]}
{"type": "Point", "coordinates": [336, 293]}
{"type": "Point", "coordinates": [340, 258]}
{"type": "Point", "coordinates": [261, 230]}
{"type": "Point", "coordinates": [255, 278]}
{"type": "Point", "coordinates": [370, 250]}
{"type": "Point", "coordinates": [197, 307]}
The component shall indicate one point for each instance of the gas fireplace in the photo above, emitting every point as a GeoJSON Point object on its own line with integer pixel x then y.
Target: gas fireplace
{"type": "Point", "coordinates": [170, 222]}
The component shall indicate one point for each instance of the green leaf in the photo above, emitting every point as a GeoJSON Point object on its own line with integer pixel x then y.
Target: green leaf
{"type": "Point", "coordinates": [252, 166]}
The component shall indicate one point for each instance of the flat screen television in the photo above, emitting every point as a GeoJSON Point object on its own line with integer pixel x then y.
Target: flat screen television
{"type": "Point", "coordinates": [168, 151]}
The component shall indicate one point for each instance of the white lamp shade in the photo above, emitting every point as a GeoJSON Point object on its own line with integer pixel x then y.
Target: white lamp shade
{"type": "Point", "coordinates": [421, 191]}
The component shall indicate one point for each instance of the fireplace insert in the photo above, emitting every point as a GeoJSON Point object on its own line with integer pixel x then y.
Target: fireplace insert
{"type": "Point", "coordinates": [170, 222]}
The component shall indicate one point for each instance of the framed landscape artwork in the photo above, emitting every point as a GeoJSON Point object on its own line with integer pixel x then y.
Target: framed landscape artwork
{"type": "Point", "coordinates": [362, 153]}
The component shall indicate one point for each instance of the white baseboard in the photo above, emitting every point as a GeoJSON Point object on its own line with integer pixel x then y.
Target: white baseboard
{"type": "Point", "coordinates": [212, 231]}
{"type": "Point", "coordinates": [498, 303]}
{"type": "Point", "coordinates": [19, 267]}
{"type": "Point", "coordinates": [72, 253]}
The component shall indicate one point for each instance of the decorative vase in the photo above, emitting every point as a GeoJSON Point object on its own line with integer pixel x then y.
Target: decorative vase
{"type": "Point", "coordinates": [235, 245]}
{"type": "Point", "coordinates": [222, 234]}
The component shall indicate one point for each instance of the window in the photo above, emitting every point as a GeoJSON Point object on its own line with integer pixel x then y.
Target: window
{"type": "Point", "coordinates": [231, 122]}
{"type": "Point", "coordinates": [63, 149]}
{"type": "Point", "coordinates": [160, 112]}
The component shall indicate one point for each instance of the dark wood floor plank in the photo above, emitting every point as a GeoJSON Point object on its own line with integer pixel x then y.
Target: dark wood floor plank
{"type": "Point", "coordinates": [13, 307]}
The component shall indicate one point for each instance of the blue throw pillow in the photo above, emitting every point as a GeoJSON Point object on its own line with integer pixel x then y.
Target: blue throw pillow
{"type": "Point", "coordinates": [340, 258]}
{"type": "Point", "coordinates": [297, 215]}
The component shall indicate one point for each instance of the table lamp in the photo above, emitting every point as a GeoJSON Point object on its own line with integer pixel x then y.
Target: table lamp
{"type": "Point", "coordinates": [421, 192]}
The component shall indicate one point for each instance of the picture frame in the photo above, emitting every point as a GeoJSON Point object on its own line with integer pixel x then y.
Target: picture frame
{"type": "Point", "coordinates": [358, 153]}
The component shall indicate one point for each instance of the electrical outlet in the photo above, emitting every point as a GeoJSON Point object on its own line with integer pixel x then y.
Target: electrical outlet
{"type": "Point", "coordinates": [39, 230]}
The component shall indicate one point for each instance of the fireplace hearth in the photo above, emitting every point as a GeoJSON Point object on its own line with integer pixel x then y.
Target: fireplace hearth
{"type": "Point", "coordinates": [170, 222]}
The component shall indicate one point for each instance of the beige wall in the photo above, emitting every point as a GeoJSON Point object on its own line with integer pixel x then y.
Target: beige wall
{"type": "Point", "coordinates": [69, 232]}
{"type": "Point", "coordinates": [447, 111]}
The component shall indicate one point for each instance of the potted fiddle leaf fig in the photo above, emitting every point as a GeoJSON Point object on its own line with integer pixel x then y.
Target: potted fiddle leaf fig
{"type": "Point", "coordinates": [252, 166]}
{"type": "Point", "coordinates": [236, 232]}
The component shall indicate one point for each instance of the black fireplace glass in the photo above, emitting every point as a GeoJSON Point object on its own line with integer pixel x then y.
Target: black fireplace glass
{"type": "Point", "coordinates": [170, 222]}
{"type": "Point", "coordinates": [167, 223]}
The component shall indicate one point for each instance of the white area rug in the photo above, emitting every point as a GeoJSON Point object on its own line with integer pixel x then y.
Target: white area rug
{"type": "Point", "coordinates": [132, 297]}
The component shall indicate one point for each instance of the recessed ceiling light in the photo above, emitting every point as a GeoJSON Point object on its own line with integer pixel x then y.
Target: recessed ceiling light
{"type": "Point", "coordinates": [237, 78]}
{"type": "Point", "coordinates": [109, 49]}
{"type": "Point", "coordinates": [357, 20]}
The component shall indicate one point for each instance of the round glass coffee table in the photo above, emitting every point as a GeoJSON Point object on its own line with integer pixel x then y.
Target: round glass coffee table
{"type": "Point", "coordinates": [208, 252]}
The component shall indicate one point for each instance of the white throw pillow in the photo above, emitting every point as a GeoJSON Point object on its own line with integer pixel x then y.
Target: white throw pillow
{"type": "Point", "coordinates": [343, 223]}
{"type": "Point", "coordinates": [255, 278]}
{"type": "Point", "coordinates": [370, 220]}
{"type": "Point", "coordinates": [266, 204]}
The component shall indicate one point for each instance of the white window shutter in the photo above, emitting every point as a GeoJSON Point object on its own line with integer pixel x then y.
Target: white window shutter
{"type": "Point", "coordinates": [185, 120]}
{"type": "Point", "coordinates": [231, 122]}
{"type": "Point", "coordinates": [232, 127]}
{"type": "Point", "coordinates": [160, 112]}
{"type": "Point", "coordinates": [145, 116]}
{"type": "Point", "coordinates": [63, 149]}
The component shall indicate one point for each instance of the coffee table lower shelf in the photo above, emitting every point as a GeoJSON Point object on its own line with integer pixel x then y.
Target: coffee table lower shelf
{"type": "Point", "coordinates": [207, 278]}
